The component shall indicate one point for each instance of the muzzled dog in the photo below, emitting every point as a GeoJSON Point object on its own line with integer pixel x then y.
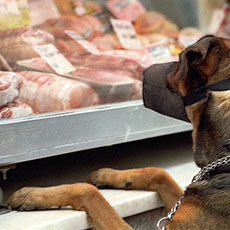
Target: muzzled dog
{"type": "Point", "coordinates": [201, 78]}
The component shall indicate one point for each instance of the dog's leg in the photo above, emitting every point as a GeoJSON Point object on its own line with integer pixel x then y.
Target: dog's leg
{"type": "Point", "coordinates": [80, 196]}
{"type": "Point", "coordinates": [151, 179]}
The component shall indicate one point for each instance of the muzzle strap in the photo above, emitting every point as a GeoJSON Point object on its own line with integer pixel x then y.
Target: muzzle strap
{"type": "Point", "coordinates": [201, 93]}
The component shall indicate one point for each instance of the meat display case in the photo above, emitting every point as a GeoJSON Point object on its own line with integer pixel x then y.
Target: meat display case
{"type": "Point", "coordinates": [50, 134]}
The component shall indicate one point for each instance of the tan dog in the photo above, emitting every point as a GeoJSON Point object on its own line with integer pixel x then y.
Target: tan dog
{"type": "Point", "coordinates": [206, 204]}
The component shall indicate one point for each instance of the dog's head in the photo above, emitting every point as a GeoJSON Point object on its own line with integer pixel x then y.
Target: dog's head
{"type": "Point", "coordinates": [201, 65]}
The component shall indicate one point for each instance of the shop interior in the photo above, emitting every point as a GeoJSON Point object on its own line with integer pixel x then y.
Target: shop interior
{"type": "Point", "coordinates": [51, 134]}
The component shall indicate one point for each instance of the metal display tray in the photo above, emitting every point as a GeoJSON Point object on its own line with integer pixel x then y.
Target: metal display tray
{"type": "Point", "coordinates": [50, 134]}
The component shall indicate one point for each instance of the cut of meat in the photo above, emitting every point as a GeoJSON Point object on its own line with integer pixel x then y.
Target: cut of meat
{"type": "Point", "coordinates": [15, 109]}
{"type": "Point", "coordinates": [139, 57]}
{"type": "Point", "coordinates": [46, 92]}
{"type": "Point", "coordinates": [102, 76]}
{"type": "Point", "coordinates": [107, 42]}
{"type": "Point", "coordinates": [111, 85]}
{"type": "Point", "coordinates": [10, 87]}
{"type": "Point", "coordinates": [111, 61]}
{"type": "Point", "coordinates": [70, 46]}
{"type": "Point", "coordinates": [34, 64]}
{"type": "Point", "coordinates": [17, 44]}
{"type": "Point", "coordinates": [133, 63]}
{"type": "Point", "coordinates": [155, 22]}
{"type": "Point", "coordinates": [84, 27]}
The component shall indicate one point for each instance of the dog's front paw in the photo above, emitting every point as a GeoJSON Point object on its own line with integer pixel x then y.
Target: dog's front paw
{"type": "Point", "coordinates": [109, 178]}
{"type": "Point", "coordinates": [28, 198]}
{"type": "Point", "coordinates": [102, 178]}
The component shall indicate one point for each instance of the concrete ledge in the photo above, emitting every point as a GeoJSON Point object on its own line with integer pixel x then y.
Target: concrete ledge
{"type": "Point", "coordinates": [126, 203]}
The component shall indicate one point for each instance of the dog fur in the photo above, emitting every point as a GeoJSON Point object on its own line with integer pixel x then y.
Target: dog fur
{"type": "Point", "coordinates": [206, 204]}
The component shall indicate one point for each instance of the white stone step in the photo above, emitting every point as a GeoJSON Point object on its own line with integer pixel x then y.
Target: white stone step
{"type": "Point", "coordinates": [126, 203]}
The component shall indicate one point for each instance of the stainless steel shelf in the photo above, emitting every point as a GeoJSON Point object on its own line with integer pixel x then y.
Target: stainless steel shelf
{"type": "Point", "coordinates": [51, 134]}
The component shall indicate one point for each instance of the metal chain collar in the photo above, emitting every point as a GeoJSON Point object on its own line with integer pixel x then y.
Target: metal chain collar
{"type": "Point", "coordinates": [203, 172]}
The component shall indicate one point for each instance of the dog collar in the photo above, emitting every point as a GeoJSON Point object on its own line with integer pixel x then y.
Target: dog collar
{"type": "Point", "coordinates": [220, 170]}
{"type": "Point", "coordinates": [201, 93]}
{"type": "Point", "coordinates": [205, 171]}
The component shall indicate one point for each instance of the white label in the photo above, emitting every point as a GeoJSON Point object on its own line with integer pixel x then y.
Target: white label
{"type": "Point", "coordinates": [54, 58]}
{"type": "Point", "coordinates": [159, 52]}
{"type": "Point", "coordinates": [9, 7]}
{"type": "Point", "coordinates": [126, 34]}
{"type": "Point", "coordinates": [88, 46]}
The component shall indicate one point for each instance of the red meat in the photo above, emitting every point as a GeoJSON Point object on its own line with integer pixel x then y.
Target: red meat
{"type": "Point", "coordinates": [46, 92]}
{"type": "Point", "coordinates": [15, 109]}
{"type": "Point", "coordinates": [10, 87]}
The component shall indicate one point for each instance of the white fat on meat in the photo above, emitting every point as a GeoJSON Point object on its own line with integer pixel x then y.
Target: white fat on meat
{"type": "Point", "coordinates": [46, 92]}
{"type": "Point", "coordinates": [15, 109]}
{"type": "Point", "coordinates": [10, 86]}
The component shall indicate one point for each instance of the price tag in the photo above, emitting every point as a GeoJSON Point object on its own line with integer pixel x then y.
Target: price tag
{"type": "Point", "coordinates": [126, 34]}
{"type": "Point", "coordinates": [126, 9]}
{"type": "Point", "coordinates": [159, 52]}
{"type": "Point", "coordinates": [88, 46]}
{"type": "Point", "coordinates": [54, 58]}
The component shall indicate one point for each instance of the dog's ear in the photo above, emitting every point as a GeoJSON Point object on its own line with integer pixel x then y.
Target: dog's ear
{"type": "Point", "coordinates": [195, 64]}
{"type": "Point", "coordinates": [201, 55]}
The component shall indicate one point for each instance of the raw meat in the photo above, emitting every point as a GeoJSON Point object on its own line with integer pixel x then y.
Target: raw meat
{"type": "Point", "coordinates": [84, 26]}
{"type": "Point", "coordinates": [139, 57]}
{"type": "Point", "coordinates": [130, 62]}
{"type": "Point", "coordinates": [17, 44]}
{"type": "Point", "coordinates": [107, 42]}
{"type": "Point", "coordinates": [111, 61]}
{"type": "Point", "coordinates": [34, 64]}
{"type": "Point", "coordinates": [70, 46]}
{"type": "Point", "coordinates": [10, 87]}
{"type": "Point", "coordinates": [155, 22]}
{"type": "Point", "coordinates": [46, 92]}
{"type": "Point", "coordinates": [111, 85]}
{"type": "Point", "coordinates": [15, 109]}
{"type": "Point", "coordinates": [102, 76]}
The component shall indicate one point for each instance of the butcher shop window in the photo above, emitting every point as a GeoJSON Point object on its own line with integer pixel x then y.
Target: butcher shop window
{"type": "Point", "coordinates": [58, 55]}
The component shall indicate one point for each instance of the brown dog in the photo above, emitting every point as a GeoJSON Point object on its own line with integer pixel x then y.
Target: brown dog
{"type": "Point", "coordinates": [206, 203]}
